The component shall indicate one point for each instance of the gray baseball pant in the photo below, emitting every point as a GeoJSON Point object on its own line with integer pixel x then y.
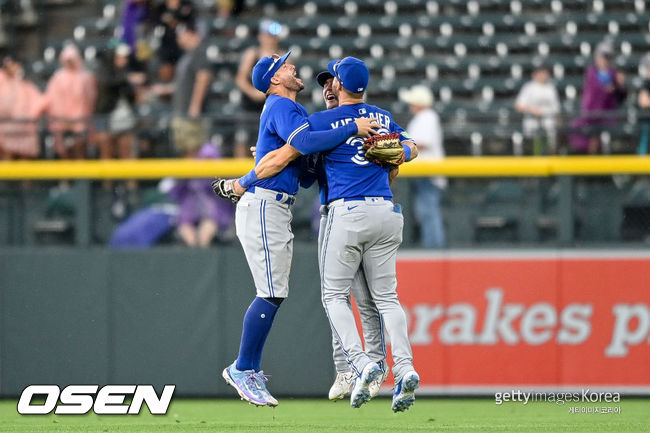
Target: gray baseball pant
{"type": "Point", "coordinates": [372, 324]}
{"type": "Point", "coordinates": [364, 233]}
{"type": "Point", "coordinates": [263, 225]}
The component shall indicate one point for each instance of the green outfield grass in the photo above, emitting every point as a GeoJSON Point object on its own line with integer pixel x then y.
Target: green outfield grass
{"type": "Point", "coordinates": [444, 415]}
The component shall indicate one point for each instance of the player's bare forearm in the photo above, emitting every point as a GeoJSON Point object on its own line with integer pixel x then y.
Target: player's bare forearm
{"type": "Point", "coordinates": [239, 190]}
{"type": "Point", "coordinates": [274, 162]}
{"type": "Point", "coordinates": [392, 174]}
{"type": "Point", "coordinates": [271, 164]}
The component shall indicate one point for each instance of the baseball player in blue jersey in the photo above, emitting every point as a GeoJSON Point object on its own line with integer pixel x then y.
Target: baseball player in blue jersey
{"type": "Point", "coordinates": [364, 228]}
{"type": "Point", "coordinates": [372, 325]}
{"type": "Point", "coordinates": [373, 331]}
{"type": "Point", "coordinates": [263, 216]}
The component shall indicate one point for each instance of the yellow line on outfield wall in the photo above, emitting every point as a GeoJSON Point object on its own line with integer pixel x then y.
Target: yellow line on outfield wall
{"type": "Point", "coordinates": [451, 166]}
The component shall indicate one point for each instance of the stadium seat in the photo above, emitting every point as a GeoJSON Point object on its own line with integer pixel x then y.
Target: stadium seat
{"type": "Point", "coordinates": [475, 54]}
{"type": "Point", "coordinates": [500, 213]}
{"type": "Point", "coordinates": [636, 213]}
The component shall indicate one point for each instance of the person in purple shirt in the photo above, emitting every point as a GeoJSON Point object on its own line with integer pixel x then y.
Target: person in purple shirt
{"type": "Point", "coordinates": [201, 214]}
{"type": "Point", "coordinates": [603, 91]}
{"type": "Point", "coordinates": [135, 13]}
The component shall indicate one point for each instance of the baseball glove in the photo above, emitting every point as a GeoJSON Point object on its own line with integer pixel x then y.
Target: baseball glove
{"type": "Point", "coordinates": [224, 188]}
{"type": "Point", "coordinates": [384, 150]}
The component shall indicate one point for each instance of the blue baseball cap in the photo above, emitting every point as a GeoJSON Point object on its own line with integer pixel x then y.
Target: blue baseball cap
{"type": "Point", "coordinates": [265, 69]}
{"type": "Point", "coordinates": [351, 72]}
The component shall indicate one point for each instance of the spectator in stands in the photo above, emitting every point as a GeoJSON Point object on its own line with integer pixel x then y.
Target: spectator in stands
{"type": "Point", "coordinates": [114, 109]}
{"type": "Point", "coordinates": [115, 120]}
{"type": "Point", "coordinates": [21, 104]}
{"type": "Point", "coordinates": [202, 214]}
{"type": "Point", "coordinates": [426, 130]}
{"type": "Point", "coordinates": [191, 87]}
{"type": "Point", "coordinates": [603, 92]}
{"type": "Point", "coordinates": [539, 102]}
{"type": "Point", "coordinates": [644, 105]}
{"type": "Point", "coordinates": [227, 8]}
{"type": "Point", "coordinates": [135, 16]}
{"type": "Point", "coordinates": [167, 15]}
{"type": "Point", "coordinates": [71, 94]}
{"type": "Point", "coordinates": [252, 99]}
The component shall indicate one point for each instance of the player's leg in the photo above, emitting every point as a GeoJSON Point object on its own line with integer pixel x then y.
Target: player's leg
{"type": "Point", "coordinates": [251, 230]}
{"type": "Point", "coordinates": [340, 260]}
{"type": "Point", "coordinates": [264, 231]}
{"type": "Point", "coordinates": [344, 375]}
{"type": "Point", "coordinates": [379, 262]}
{"type": "Point", "coordinates": [340, 363]}
{"type": "Point", "coordinates": [341, 257]}
{"type": "Point", "coordinates": [372, 326]}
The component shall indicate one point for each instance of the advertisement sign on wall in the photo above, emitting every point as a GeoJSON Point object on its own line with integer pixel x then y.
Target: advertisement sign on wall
{"type": "Point", "coordinates": [559, 319]}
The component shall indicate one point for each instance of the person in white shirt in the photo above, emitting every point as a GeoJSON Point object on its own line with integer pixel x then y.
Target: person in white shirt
{"type": "Point", "coordinates": [426, 131]}
{"type": "Point", "coordinates": [539, 102]}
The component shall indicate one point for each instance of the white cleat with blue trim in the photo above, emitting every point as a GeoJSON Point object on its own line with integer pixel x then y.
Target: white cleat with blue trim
{"type": "Point", "coordinates": [360, 392]}
{"type": "Point", "coordinates": [404, 392]}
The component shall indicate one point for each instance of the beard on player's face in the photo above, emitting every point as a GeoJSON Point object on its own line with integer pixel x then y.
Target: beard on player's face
{"type": "Point", "coordinates": [331, 101]}
{"type": "Point", "coordinates": [288, 78]}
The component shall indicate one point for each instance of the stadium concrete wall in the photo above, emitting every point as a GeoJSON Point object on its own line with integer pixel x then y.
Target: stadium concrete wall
{"type": "Point", "coordinates": [479, 321]}
{"type": "Point", "coordinates": [162, 316]}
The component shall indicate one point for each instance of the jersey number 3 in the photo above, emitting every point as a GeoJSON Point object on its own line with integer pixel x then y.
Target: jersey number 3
{"type": "Point", "coordinates": [359, 158]}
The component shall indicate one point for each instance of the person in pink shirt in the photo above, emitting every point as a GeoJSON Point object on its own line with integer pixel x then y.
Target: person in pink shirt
{"type": "Point", "coordinates": [21, 104]}
{"type": "Point", "coordinates": [71, 94]}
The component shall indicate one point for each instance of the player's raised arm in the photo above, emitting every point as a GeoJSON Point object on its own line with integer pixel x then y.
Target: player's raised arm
{"type": "Point", "coordinates": [300, 140]}
{"type": "Point", "coordinates": [274, 162]}
{"type": "Point", "coordinates": [297, 131]}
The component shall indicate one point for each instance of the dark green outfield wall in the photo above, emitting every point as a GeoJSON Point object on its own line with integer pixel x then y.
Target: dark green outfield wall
{"type": "Point", "coordinates": [159, 316]}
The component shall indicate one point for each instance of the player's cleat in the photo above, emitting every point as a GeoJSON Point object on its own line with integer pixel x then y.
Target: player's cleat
{"type": "Point", "coordinates": [404, 392]}
{"type": "Point", "coordinates": [375, 385]}
{"type": "Point", "coordinates": [360, 393]}
{"type": "Point", "coordinates": [246, 383]}
{"type": "Point", "coordinates": [261, 380]}
{"type": "Point", "coordinates": [341, 386]}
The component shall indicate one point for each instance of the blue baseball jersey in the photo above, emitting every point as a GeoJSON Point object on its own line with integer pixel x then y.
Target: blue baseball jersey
{"type": "Point", "coordinates": [280, 121]}
{"type": "Point", "coordinates": [285, 121]}
{"type": "Point", "coordinates": [347, 171]}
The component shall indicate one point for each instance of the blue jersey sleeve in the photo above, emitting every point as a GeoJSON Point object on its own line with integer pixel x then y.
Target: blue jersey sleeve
{"type": "Point", "coordinates": [287, 119]}
{"type": "Point", "coordinates": [289, 122]}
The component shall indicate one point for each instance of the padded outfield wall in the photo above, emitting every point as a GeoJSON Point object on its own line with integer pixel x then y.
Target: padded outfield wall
{"type": "Point", "coordinates": [478, 321]}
